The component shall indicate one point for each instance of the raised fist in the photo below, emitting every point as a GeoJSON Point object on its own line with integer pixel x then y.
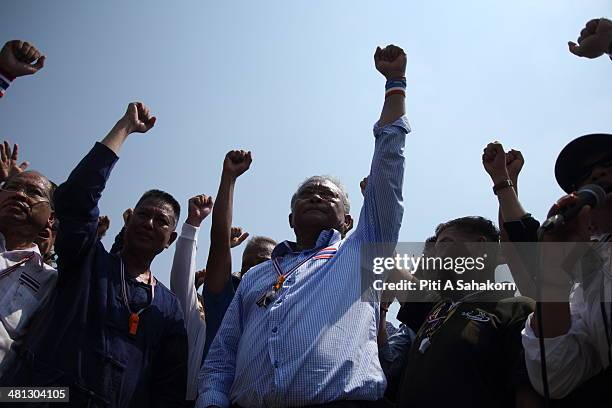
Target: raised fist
{"type": "Point", "coordinates": [390, 61]}
{"type": "Point", "coordinates": [9, 160]}
{"type": "Point", "coordinates": [237, 237]}
{"type": "Point", "coordinates": [362, 185]}
{"type": "Point", "coordinates": [237, 162]}
{"type": "Point", "coordinates": [103, 225]}
{"type": "Point", "coordinates": [138, 118]}
{"type": "Point", "coordinates": [595, 39]}
{"type": "Point", "coordinates": [200, 207]}
{"type": "Point", "coordinates": [514, 164]}
{"type": "Point", "coordinates": [20, 58]}
{"type": "Point", "coordinates": [494, 162]}
{"type": "Point", "coordinates": [200, 278]}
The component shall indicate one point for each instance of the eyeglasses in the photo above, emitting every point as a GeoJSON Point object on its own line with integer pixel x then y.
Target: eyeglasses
{"type": "Point", "coordinates": [33, 193]}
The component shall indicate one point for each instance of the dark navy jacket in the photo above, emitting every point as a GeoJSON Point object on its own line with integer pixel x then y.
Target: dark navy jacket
{"type": "Point", "coordinates": [82, 340]}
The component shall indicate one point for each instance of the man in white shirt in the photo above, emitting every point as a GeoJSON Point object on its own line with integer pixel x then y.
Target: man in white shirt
{"type": "Point", "coordinates": [26, 282]}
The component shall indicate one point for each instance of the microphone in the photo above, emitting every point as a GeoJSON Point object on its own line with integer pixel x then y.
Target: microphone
{"type": "Point", "coordinates": [591, 194]}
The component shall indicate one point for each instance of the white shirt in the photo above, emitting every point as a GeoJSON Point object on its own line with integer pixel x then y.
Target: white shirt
{"type": "Point", "coordinates": [182, 283]}
{"type": "Point", "coordinates": [582, 352]}
{"type": "Point", "coordinates": [22, 293]}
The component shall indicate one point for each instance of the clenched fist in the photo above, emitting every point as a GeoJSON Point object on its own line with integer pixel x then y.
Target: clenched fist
{"type": "Point", "coordinates": [199, 208]}
{"type": "Point", "coordinates": [390, 61]}
{"type": "Point", "coordinates": [595, 39]}
{"type": "Point", "coordinates": [494, 162]}
{"type": "Point", "coordinates": [20, 58]}
{"type": "Point", "coordinates": [514, 164]}
{"type": "Point", "coordinates": [237, 237]}
{"type": "Point", "coordinates": [138, 118]}
{"type": "Point", "coordinates": [237, 162]}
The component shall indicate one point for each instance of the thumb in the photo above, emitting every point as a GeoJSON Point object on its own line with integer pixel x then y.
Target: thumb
{"type": "Point", "coordinates": [574, 48]}
{"type": "Point", "coordinates": [243, 237]}
{"type": "Point", "coordinates": [40, 63]}
{"type": "Point", "coordinates": [23, 166]}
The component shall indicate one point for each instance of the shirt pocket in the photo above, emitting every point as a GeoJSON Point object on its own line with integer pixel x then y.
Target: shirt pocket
{"type": "Point", "coordinates": [17, 309]}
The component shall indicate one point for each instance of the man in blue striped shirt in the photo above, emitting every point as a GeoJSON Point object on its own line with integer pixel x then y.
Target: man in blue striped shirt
{"type": "Point", "coordinates": [312, 339]}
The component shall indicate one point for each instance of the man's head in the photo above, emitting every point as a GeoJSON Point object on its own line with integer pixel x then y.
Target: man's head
{"type": "Point", "coordinates": [588, 160]}
{"type": "Point", "coordinates": [150, 228]}
{"type": "Point", "coordinates": [467, 237]}
{"type": "Point", "coordinates": [26, 204]}
{"type": "Point", "coordinates": [320, 203]}
{"type": "Point", "coordinates": [258, 249]}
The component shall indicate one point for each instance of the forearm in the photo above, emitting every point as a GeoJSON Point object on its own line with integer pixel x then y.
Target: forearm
{"type": "Point", "coordinates": [393, 109]}
{"type": "Point", "coordinates": [510, 208]}
{"type": "Point", "coordinates": [182, 275]}
{"type": "Point", "coordinates": [219, 265]}
{"type": "Point", "coordinates": [117, 136]}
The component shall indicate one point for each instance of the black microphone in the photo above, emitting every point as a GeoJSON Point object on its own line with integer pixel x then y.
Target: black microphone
{"type": "Point", "coordinates": [591, 194]}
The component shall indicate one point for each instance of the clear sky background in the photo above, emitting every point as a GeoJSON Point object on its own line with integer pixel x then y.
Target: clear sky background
{"type": "Point", "coordinates": [294, 81]}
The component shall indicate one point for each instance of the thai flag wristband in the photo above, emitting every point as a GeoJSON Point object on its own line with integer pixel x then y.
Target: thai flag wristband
{"type": "Point", "coordinates": [395, 86]}
{"type": "Point", "coordinates": [5, 82]}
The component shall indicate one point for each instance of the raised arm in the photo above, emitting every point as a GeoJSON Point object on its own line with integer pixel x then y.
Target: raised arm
{"type": "Point", "coordinates": [76, 200]}
{"type": "Point", "coordinates": [503, 168]}
{"type": "Point", "coordinates": [183, 273]}
{"type": "Point", "coordinates": [382, 211]}
{"type": "Point", "coordinates": [219, 265]}
{"type": "Point", "coordinates": [17, 59]}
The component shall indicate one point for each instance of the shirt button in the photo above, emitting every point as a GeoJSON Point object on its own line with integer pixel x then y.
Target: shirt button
{"type": "Point", "coordinates": [276, 364]}
{"type": "Point", "coordinates": [275, 329]}
{"type": "Point", "coordinates": [279, 301]}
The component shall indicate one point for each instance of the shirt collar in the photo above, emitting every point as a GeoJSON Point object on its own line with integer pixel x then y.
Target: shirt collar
{"type": "Point", "coordinates": [34, 248]}
{"type": "Point", "coordinates": [326, 238]}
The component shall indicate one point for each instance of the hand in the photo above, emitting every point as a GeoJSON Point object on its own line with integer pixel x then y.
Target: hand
{"type": "Point", "coordinates": [200, 207]}
{"type": "Point", "coordinates": [576, 229]}
{"type": "Point", "coordinates": [103, 225]}
{"type": "Point", "coordinates": [237, 162]}
{"type": "Point", "coordinates": [8, 161]}
{"type": "Point", "coordinates": [362, 185]}
{"type": "Point", "coordinates": [494, 162]}
{"type": "Point", "coordinates": [595, 39]}
{"type": "Point", "coordinates": [16, 58]}
{"type": "Point", "coordinates": [514, 164]}
{"type": "Point", "coordinates": [237, 237]}
{"type": "Point", "coordinates": [200, 278]}
{"type": "Point", "coordinates": [127, 214]}
{"type": "Point", "coordinates": [137, 118]}
{"type": "Point", "coordinates": [390, 61]}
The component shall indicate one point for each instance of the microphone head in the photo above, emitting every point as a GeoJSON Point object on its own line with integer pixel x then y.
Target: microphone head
{"type": "Point", "coordinates": [596, 191]}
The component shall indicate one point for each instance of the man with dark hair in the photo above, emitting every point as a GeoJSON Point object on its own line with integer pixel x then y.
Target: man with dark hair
{"type": "Point", "coordinates": [26, 281]}
{"type": "Point", "coordinates": [469, 342]}
{"type": "Point", "coordinates": [298, 331]}
{"type": "Point", "coordinates": [114, 335]}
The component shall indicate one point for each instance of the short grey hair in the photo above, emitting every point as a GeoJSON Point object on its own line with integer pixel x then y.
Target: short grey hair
{"type": "Point", "coordinates": [321, 179]}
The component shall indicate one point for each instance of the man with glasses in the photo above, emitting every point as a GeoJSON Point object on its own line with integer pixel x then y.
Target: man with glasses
{"type": "Point", "coordinates": [26, 281]}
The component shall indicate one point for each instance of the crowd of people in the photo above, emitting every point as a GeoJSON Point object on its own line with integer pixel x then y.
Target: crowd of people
{"type": "Point", "coordinates": [297, 326]}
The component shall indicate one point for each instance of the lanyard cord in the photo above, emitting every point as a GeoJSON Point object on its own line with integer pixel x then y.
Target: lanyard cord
{"type": "Point", "coordinates": [16, 266]}
{"type": "Point", "coordinates": [124, 291]}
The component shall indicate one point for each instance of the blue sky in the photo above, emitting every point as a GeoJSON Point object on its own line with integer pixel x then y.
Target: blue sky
{"type": "Point", "coordinates": [294, 82]}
